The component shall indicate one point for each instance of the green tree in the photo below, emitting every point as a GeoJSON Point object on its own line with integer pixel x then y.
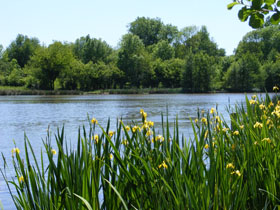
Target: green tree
{"type": "Point", "coordinates": [152, 30]}
{"type": "Point", "coordinates": [107, 76]}
{"type": "Point", "coordinates": [244, 74]}
{"type": "Point", "coordinates": [163, 50]}
{"type": "Point", "coordinates": [256, 11]}
{"type": "Point", "coordinates": [1, 51]}
{"type": "Point", "coordinates": [191, 39]}
{"type": "Point", "coordinates": [201, 42]}
{"type": "Point", "coordinates": [168, 73]}
{"type": "Point", "coordinates": [46, 65]}
{"type": "Point", "coordinates": [198, 72]}
{"type": "Point", "coordinates": [132, 59]}
{"type": "Point", "coordinates": [94, 50]}
{"type": "Point", "coordinates": [272, 73]}
{"type": "Point", "coordinates": [10, 73]}
{"type": "Point", "coordinates": [22, 49]}
{"type": "Point", "coordinates": [174, 72]}
{"type": "Point", "coordinates": [69, 76]}
{"type": "Point", "coordinates": [260, 42]}
{"type": "Point", "coordinates": [181, 40]}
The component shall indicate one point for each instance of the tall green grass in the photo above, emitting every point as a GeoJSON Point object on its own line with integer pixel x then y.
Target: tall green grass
{"type": "Point", "coordinates": [223, 166]}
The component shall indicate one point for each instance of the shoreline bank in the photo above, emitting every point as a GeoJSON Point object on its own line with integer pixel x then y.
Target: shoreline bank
{"type": "Point", "coordinates": [6, 91]}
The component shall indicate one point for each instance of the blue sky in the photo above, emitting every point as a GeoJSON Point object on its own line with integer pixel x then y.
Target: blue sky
{"type": "Point", "coordinates": [67, 20]}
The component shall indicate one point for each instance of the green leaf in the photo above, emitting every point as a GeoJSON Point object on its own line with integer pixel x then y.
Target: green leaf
{"type": "Point", "coordinates": [84, 200]}
{"type": "Point", "coordinates": [268, 7]}
{"type": "Point", "coordinates": [1, 206]}
{"type": "Point", "coordinates": [269, 2]}
{"type": "Point", "coordinates": [243, 14]}
{"type": "Point", "coordinates": [256, 20]}
{"type": "Point", "coordinates": [229, 6]}
{"type": "Point", "coordinates": [278, 4]}
{"type": "Point", "coordinates": [256, 4]}
{"type": "Point", "coordinates": [275, 18]}
{"type": "Point", "coordinates": [118, 194]}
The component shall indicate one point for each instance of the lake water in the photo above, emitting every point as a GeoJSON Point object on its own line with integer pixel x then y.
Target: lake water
{"type": "Point", "coordinates": [33, 114]}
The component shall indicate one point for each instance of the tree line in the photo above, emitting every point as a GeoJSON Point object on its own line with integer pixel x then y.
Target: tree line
{"type": "Point", "coordinates": [151, 55]}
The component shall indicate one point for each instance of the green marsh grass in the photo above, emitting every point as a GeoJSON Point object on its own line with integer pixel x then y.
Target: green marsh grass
{"type": "Point", "coordinates": [223, 166]}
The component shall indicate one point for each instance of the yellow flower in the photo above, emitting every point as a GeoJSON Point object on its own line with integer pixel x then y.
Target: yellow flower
{"type": "Point", "coordinates": [96, 138]}
{"type": "Point", "coordinates": [267, 140]}
{"type": "Point", "coordinates": [159, 138]}
{"type": "Point", "coordinates": [94, 121]}
{"type": "Point", "coordinates": [241, 126]}
{"type": "Point", "coordinates": [271, 104]}
{"type": "Point", "coordinates": [145, 125]}
{"type": "Point", "coordinates": [125, 142]}
{"type": "Point", "coordinates": [206, 146]}
{"type": "Point", "coordinates": [268, 121]}
{"type": "Point", "coordinates": [196, 121]}
{"type": "Point", "coordinates": [233, 147]}
{"type": "Point", "coordinates": [258, 125]}
{"type": "Point", "coordinates": [149, 133]}
{"type": "Point", "coordinates": [206, 134]}
{"type": "Point", "coordinates": [135, 128]}
{"type": "Point", "coordinates": [53, 151]}
{"type": "Point", "coordinates": [111, 133]}
{"type": "Point", "coordinates": [218, 119]}
{"type": "Point", "coordinates": [212, 111]}
{"type": "Point", "coordinates": [264, 117]}
{"type": "Point", "coordinates": [275, 88]}
{"type": "Point", "coordinates": [164, 165]}
{"type": "Point", "coordinates": [217, 128]}
{"type": "Point", "coordinates": [254, 97]}
{"type": "Point", "coordinates": [253, 101]}
{"type": "Point", "coordinates": [235, 133]}
{"type": "Point", "coordinates": [204, 120]}
{"type": "Point", "coordinates": [21, 179]}
{"type": "Point", "coordinates": [145, 115]}
{"type": "Point", "coordinates": [237, 172]}
{"type": "Point", "coordinates": [111, 156]}
{"type": "Point", "coordinates": [255, 143]}
{"type": "Point", "coordinates": [127, 128]}
{"type": "Point", "coordinates": [230, 165]}
{"type": "Point", "coordinates": [15, 150]}
{"type": "Point", "coordinates": [262, 106]}
{"type": "Point", "coordinates": [225, 129]}
{"type": "Point", "coordinates": [151, 124]}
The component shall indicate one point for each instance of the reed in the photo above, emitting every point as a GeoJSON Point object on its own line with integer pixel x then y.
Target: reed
{"type": "Point", "coordinates": [223, 166]}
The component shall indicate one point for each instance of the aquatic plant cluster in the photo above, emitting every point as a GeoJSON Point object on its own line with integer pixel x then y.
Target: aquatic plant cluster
{"type": "Point", "coordinates": [135, 167]}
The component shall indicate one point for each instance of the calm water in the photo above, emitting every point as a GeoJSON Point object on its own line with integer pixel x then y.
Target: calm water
{"type": "Point", "coordinates": [33, 114]}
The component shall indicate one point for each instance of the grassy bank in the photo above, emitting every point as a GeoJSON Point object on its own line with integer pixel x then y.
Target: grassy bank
{"type": "Point", "coordinates": [8, 90]}
{"type": "Point", "coordinates": [223, 166]}
{"type": "Point", "coordinates": [13, 90]}
{"type": "Point", "coordinates": [138, 91]}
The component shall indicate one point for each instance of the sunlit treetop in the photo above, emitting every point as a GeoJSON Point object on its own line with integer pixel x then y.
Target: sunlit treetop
{"type": "Point", "coordinates": [257, 12]}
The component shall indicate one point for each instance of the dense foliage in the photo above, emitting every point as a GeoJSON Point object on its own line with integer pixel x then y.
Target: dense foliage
{"type": "Point", "coordinates": [151, 55]}
{"type": "Point", "coordinates": [258, 12]}
{"type": "Point", "coordinates": [136, 166]}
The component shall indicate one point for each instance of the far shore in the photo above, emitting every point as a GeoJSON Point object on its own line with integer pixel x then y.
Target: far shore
{"type": "Point", "coordinates": [8, 90]}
